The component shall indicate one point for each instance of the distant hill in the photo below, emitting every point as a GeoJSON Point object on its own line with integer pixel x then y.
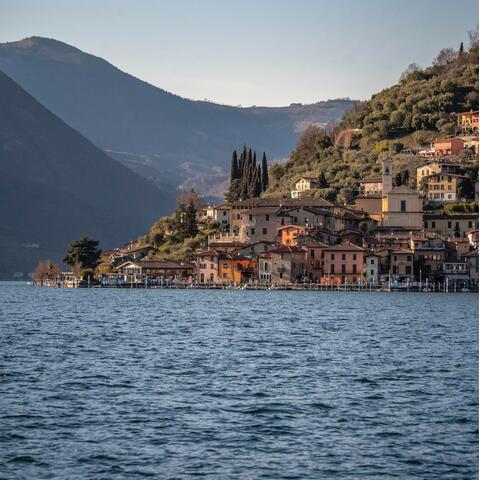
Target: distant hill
{"type": "Point", "coordinates": [160, 135]}
{"type": "Point", "coordinates": [56, 185]}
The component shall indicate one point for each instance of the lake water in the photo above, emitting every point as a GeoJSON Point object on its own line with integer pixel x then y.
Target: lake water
{"type": "Point", "coordinates": [114, 384]}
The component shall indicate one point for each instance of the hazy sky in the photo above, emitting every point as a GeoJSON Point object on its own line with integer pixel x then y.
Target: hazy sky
{"type": "Point", "coordinates": [252, 52]}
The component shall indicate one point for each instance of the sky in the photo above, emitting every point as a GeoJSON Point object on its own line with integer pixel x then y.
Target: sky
{"type": "Point", "coordinates": [252, 52]}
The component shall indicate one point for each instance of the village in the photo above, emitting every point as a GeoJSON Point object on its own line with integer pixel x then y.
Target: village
{"type": "Point", "coordinates": [392, 237]}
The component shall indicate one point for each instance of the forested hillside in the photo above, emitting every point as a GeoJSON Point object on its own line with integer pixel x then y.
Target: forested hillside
{"type": "Point", "coordinates": [419, 108]}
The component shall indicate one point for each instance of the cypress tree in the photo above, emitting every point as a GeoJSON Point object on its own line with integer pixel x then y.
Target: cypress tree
{"type": "Point", "coordinates": [264, 173]}
{"type": "Point", "coordinates": [322, 181]}
{"type": "Point", "coordinates": [460, 51]}
{"type": "Point", "coordinates": [234, 173]}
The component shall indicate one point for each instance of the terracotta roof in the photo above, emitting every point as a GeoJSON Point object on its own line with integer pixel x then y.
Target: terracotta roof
{"type": "Point", "coordinates": [286, 249]}
{"type": "Point", "coordinates": [283, 202]}
{"type": "Point", "coordinates": [262, 211]}
{"type": "Point", "coordinates": [347, 246]}
{"type": "Point", "coordinates": [219, 245]}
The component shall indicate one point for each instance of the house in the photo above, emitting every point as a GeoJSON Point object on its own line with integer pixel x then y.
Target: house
{"type": "Point", "coordinates": [220, 213]}
{"type": "Point", "coordinates": [456, 271]}
{"type": "Point", "coordinates": [343, 263]}
{"type": "Point", "coordinates": [371, 186]}
{"type": "Point", "coordinates": [432, 167]}
{"type": "Point", "coordinates": [225, 246]}
{"type": "Point", "coordinates": [136, 251]}
{"type": "Point", "coordinates": [288, 234]}
{"type": "Point", "coordinates": [255, 249]}
{"type": "Point", "coordinates": [313, 258]}
{"type": "Point", "coordinates": [235, 268]}
{"type": "Point", "coordinates": [440, 187]}
{"type": "Point", "coordinates": [429, 261]}
{"type": "Point", "coordinates": [287, 264]}
{"type": "Point", "coordinates": [208, 265]}
{"type": "Point", "coordinates": [372, 268]}
{"type": "Point", "coordinates": [264, 262]}
{"type": "Point", "coordinates": [262, 224]}
{"type": "Point", "coordinates": [467, 122]}
{"type": "Point", "coordinates": [401, 265]}
{"type": "Point", "coordinates": [451, 146]}
{"type": "Point", "coordinates": [402, 207]}
{"type": "Point", "coordinates": [141, 271]}
{"type": "Point", "coordinates": [471, 259]}
{"type": "Point", "coordinates": [454, 225]}
{"type": "Point", "coordinates": [303, 184]}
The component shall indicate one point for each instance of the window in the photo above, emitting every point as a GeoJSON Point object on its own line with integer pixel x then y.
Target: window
{"type": "Point", "coordinates": [343, 256]}
{"type": "Point", "coordinates": [354, 256]}
{"type": "Point", "coordinates": [343, 268]}
{"type": "Point", "coordinates": [354, 268]}
{"type": "Point", "coordinates": [332, 268]}
{"type": "Point", "coordinates": [238, 216]}
{"type": "Point", "coordinates": [253, 231]}
{"type": "Point", "coordinates": [433, 224]}
{"type": "Point", "coordinates": [283, 221]}
{"type": "Point", "coordinates": [312, 253]}
{"type": "Point", "coordinates": [372, 261]}
{"type": "Point", "coordinates": [394, 258]}
{"type": "Point", "coordinates": [449, 224]}
{"type": "Point", "coordinates": [224, 213]}
{"type": "Point", "coordinates": [332, 256]}
{"type": "Point", "coordinates": [470, 224]}
{"type": "Point", "coordinates": [267, 217]}
{"type": "Point", "coordinates": [408, 270]}
{"type": "Point", "coordinates": [264, 231]}
{"type": "Point", "coordinates": [225, 265]}
{"type": "Point", "coordinates": [403, 205]}
{"type": "Point", "coordinates": [425, 224]}
{"type": "Point", "coordinates": [250, 217]}
{"type": "Point", "coordinates": [224, 275]}
{"type": "Point", "coordinates": [409, 258]}
{"type": "Point", "coordinates": [371, 272]}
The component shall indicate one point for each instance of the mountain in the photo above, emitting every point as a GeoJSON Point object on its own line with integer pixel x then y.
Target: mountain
{"type": "Point", "coordinates": [173, 140]}
{"type": "Point", "coordinates": [55, 185]}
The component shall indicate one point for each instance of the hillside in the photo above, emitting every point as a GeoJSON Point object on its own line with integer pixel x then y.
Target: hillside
{"type": "Point", "coordinates": [419, 108]}
{"type": "Point", "coordinates": [173, 140]}
{"type": "Point", "coordinates": [424, 99]}
{"type": "Point", "coordinates": [56, 185]}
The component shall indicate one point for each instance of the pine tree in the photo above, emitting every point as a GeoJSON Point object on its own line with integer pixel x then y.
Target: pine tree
{"type": "Point", "coordinates": [83, 254]}
{"type": "Point", "coordinates": [264, 173]}
{"type": "Point", "coordinates": [190, 222]}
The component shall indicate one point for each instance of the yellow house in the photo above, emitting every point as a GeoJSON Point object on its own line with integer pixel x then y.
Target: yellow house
{"type": "Point", "coordinates": [443, 187]}
{"type": "Point", "coordinates": [303, 184]}
{"type": "Point", "coordinates": [433, 167]}
{"type": "Point", "coordinates": [402, 207]}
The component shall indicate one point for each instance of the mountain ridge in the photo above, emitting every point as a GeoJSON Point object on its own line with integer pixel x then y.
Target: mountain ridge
{"type": "Point", "coordinates": [164, 135]}
{"type": "Point", "coordinates": [55, 185]}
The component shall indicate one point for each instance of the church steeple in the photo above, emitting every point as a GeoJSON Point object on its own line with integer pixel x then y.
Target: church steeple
{"type": "Point", "coordinates": [387, 176]}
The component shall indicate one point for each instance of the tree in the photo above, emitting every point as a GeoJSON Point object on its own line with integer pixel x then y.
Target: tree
{"type": "Point", "coordinates": [412, 68]}
{"type": "Point", "coordinates": [473, 39]}
{"type": "Point", "coordinates": [460, 50]}
{"type": "Point", "coordinates": [445, 56]}
{"type": "Point", "coordinates": [46, 270]}
{"type": "Point", "coordinates": [322, 181]}
{"type": "Point", "coordinates": [191, 224]}
{"type": "Point", "coordinates": [234, 172]}
{"type": "Point", "coordinates": [83, 254]}
{"type": "Point", "coordinates": [264, 172]}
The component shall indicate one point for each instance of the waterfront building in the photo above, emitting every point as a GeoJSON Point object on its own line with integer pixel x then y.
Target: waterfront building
{"type": "Point", "coordinates": [287, 264]}
{"type": "Point", "coordinates": [471, 259]}
{"type": "Point", "coordinates": [141, 271]}
{"type": "Point", "coordinates": [372, 268]}
{"type": "Point", "coordinates": [343, 263]}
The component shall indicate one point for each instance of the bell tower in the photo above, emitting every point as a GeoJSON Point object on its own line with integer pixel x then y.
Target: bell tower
{"type": "Point", "coordinates": [387, 176]}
